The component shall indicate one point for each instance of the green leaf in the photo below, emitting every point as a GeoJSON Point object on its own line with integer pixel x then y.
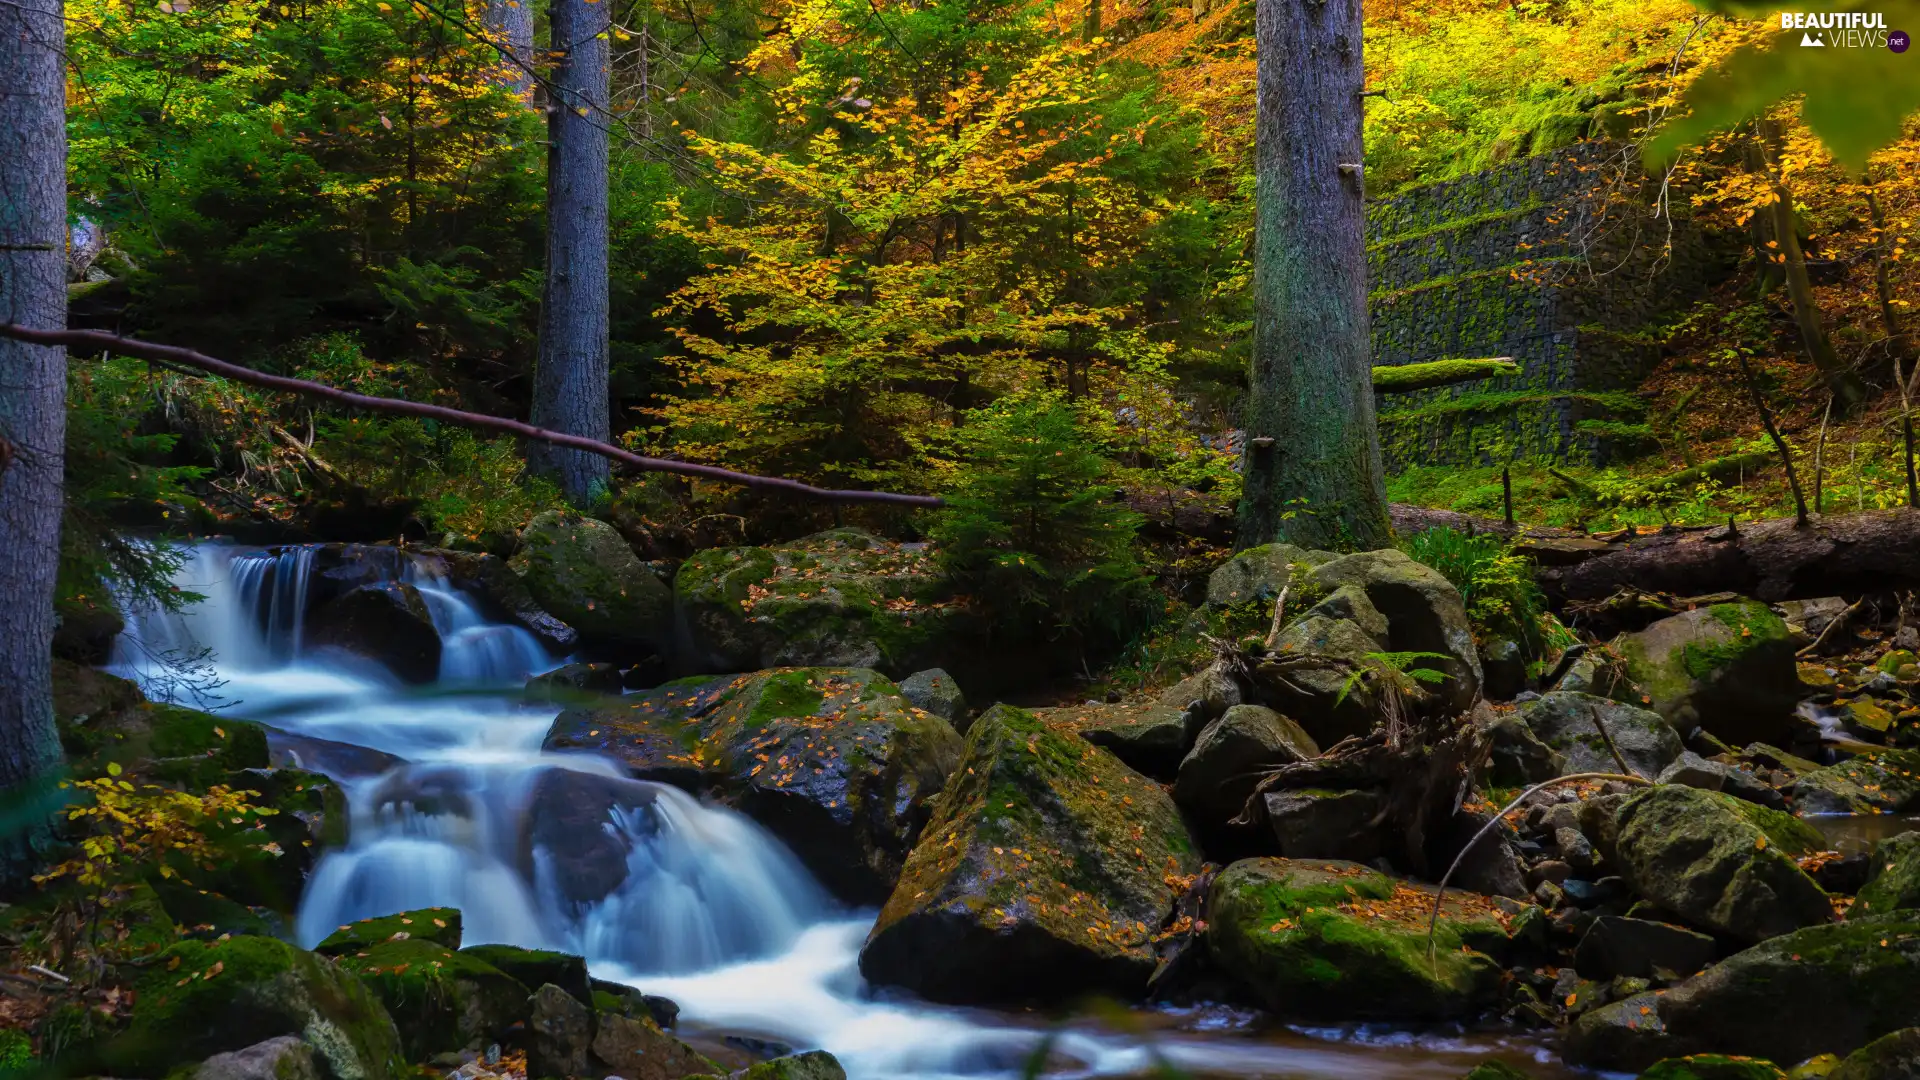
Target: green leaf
{"type": "Point", "coordinates": [113, 768]}
{"type": "Point", "coordinates": [1855, 99]}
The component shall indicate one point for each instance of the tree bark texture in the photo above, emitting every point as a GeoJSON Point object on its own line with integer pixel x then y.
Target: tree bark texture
{"type": "Point", "coordinates": [1312, 468]}
{"type": "Point", "coordinates": [510, 22]}
{"type": "Point", "coordinates": [33, 387]}
{"type": "Point", "coordinates": [570, 384]}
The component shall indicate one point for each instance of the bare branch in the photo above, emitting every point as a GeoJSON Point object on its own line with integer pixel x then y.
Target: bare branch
{"type": "Point", "coordinates": [101, 341]}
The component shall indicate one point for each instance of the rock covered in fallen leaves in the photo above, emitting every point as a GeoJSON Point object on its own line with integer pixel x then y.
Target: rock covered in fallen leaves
{"type": "Point", "coordinates": [936, 691]}
{"type": "Point", "coordinates": [438, 925]}
{"type": "Point", "coordinates": [1878, 782]}
{"type": "Point", "coordinates": [1151, 737]}
{"type": "Point", "coordinates": [1720, 863]}
{"type": "Point", "coordinates": [1728, 668]}
{"type": "Point", "coordinates": [1045, 874]}
{"type": "Point", "coordinates": [201, 998]}
{"type": "Point", "coordinates": [1824, 989]}
{"type": "Point", "coordinates": [832, 760]}
{"type": "Point", "coordinates": [840, 598]}
{"type": "Point", "coordinates": [1338, 941]}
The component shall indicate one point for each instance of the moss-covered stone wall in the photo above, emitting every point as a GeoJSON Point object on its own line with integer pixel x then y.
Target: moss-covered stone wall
{"type": "Point", "coordinates": [1555, 260]}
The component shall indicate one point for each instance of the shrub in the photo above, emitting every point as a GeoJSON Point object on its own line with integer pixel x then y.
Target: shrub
{"type": "Point", "coordinates": [1502, 597]}
{"type": "Point", "coordinates": [1031, 525]}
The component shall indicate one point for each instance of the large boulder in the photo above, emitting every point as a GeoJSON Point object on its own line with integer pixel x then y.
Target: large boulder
{"type": "Point", "coordinates": [1339, 941]}
{"type": "Point", "coordinates": [441, 926]}
{"type": "Point", "coordinates": [582, 571]}
{"type": "Point", "coordinates": [1713, 1067]}
{"type": "Point", "coordinates": [384, 621]}
{"type": "Point", "coordinates": [201, 998]}
{"type": "Point", "coordinates": [1256, 576]}
{"type": "Point", "coordinates": [1893, 882]}
{"type": "Point", "coordinates": [935, 691]}
{"type": "Point", "coordinates": [566, 836]}
{"type": "Point", "coordinates": [103, 720]}
{"type": "Point", "coordinates": [1042, 876]}
{"type": "Point", "coordinates": [1231, 756]}
{"type": "Point", "coordinates": [812, 1065]}
{"type": "Point", "coordinates": [1640, 949]}
{"type": "Point", "coordinates": [1821, 990]}
{"type": "Point", "coordinates": [1877, 782]}
{"type": "Point", "coordinates": [831, 760]}
{"type": "Point", "coordinates": [1328, 704]}
{"type": "Point", "coordinates": [636, 1048]}
{"type": "Point", "coordinates": [1720, 863]}
{"type": "Point", "coordinates": [1728, 668]}
{"type": "Point", "coordinates": [1424, 613]}
{"type": "Point", "coordinates": [1566, 723]}
{"type": "Point", "coordinates": [840, 598]}
{"type": "Point", "coordinates": [1319, 824]}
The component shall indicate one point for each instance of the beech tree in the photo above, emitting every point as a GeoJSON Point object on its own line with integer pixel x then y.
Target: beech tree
{"type": "Point", "coordinates": [570, 383]}
{"type": "Point", "coordinates": [1312, 466]}
{"type": "Point", "coordinates": [33, 384]}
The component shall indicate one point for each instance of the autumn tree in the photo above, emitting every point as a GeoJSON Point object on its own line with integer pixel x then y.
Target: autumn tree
{"type": "Point", "coordinates": [1312, 464]}
{"type": "Point", "coordinates": [33, 292]}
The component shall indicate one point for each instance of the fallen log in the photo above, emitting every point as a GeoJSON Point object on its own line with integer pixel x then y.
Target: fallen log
{"type": "Point", "coordinates": [1406, 378]}
{"type": "Point", "coordinates": [1875, 551]}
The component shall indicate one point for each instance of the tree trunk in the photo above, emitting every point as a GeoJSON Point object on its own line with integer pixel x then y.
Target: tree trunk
{"type": "Point", "coordinates": [1312, 468]}
{"type": "Point", "coordinates": [1846, 384]}
{"type": "Point", "coordinates": [510, 22]}
{"type": "Point", "coordinates": [570, 386]}
{"type": "Point", "coordinates": [33, 387]}
{"type": "Point", "coordinates": [1882, 284]}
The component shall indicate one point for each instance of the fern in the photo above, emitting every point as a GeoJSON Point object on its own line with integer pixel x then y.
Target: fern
{"type": "Point", "coordinates": [1399, 663]}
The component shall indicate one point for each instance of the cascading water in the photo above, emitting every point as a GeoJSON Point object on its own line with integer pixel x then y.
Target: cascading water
{"type": "Point", "coordinates": [655, 888]}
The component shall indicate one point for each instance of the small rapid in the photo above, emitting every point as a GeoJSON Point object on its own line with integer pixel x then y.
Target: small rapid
{"type": "Point", "coordinates": [656, 888]}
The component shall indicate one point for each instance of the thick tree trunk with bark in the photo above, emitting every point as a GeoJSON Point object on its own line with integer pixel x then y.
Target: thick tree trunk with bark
{"type": "Point", "coordinates": [570, 386]}
{"type": "Point", "coordinates": [510, 24]}
{"type": "Point", "coordinates": [33, 387]}
{"type": "Point", "coordinates": [1312, 468]}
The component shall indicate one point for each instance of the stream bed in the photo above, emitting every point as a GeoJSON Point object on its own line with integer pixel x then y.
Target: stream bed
{"type": "Point", "coordinates": [448, 792]}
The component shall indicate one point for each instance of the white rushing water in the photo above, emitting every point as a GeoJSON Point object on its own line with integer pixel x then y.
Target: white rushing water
{"type": "Point", "coordinates": [655, 888]}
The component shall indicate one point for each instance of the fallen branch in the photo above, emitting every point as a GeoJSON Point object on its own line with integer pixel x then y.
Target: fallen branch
{"type": "Point", "coordinates": [101, 341]}
{"type": "Point", "coordinates": [1833, 627]}
{"type": "Point", "coordinates": [1607, 737]}
{"type": "Point", "coordinates": [1405, 378]}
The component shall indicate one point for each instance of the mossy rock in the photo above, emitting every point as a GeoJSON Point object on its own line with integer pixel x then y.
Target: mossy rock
{"type": "Point", "coordinates": [1894, 660]}
{"type": "Point", "coordinates": [582, 571]}
{"type": "Point", "coordinates": [104, 719]}
{"type": "Point", "coordinates": [383, 621]}
{"type": "Point", "coordinates": [837, 599]}
{"type": "Point", "coordinates": [204, 913]}
{"type": "Point", "coordinates": [440, 1000]}
{"type": "Point", "coordinates": [1042, 875]}
{"type": "Point", "coordinates": [1565, 722]}
{"type": "Point", "coordinates": [1823, 990]}
{"type": "Point", "coordinates": [1893, 882]}
{"type": "Point", "coordinates": [1256, 576]}
{"type": "Point", "coordinates": [199, 998]}
{"type": "Point", "coordinates": [1150, 737]}
{"type": "Point", "coordinates": [1718, 862]}
{"type": "Point", "coordinates": [1890, 1057]}
{"type": "Point", "coordinates": [267, 866]}
{"type": "Point", "coordinates": [1424, 613]}
{"type": "Point", "coordinates": [1878, 782]}
{"type": "Point", "coordinates": [438, 925]}
{"type": "Point", "coordinates": [812, 1065]}
{"type": "Point", "coordinates": [1494, 1070]}
{"type": "Point", "coordinates": [1713, 1067]}
{"type": "Point", "coordinates": [832, 760]}
{"type": "Point", "coordinates": [637, 1048]}
{"type": "Point", "coordinates": [1336, 940]}
{"type": "Point", "coordinates": [1729, 668]}
{"type": "Point", "coordinates": [538, 967]}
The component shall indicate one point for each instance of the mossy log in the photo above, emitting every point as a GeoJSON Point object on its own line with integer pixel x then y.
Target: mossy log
{"type": "Point", "coordinates": [1720, 468]}
{"type": "Point", "coordinates": [1405, 378]}
{"type": "Point", "coordinates": [1877, 551]}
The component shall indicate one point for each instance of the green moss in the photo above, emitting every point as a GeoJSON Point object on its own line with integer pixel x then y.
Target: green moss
{"type": "Point", "coordinates": [438, 925]}
{"type": "Point", "coordinates": [202, 998]}
{"type": "Point", "coordinates": [1749, 625]}
{"type": "Point", "coordinates": [534, 968]}
{"type": "Point", "coordinates": [1531, 204]}
{"type": "Point", "coordinates": [1713, 1067]}
{"type": "Point", "coordinates": [16, 1051]}
{"type": "Point", "coordinates": [1328, 939]}
{"type": "Point", "coordinates": [441, 1000]}
{"type": "Point", "coordinates": [1894, 882]}
{"type": "Point", "coordinates": [1405, 378]}
{"type": "Point", "coordinates": [1494, 1070]}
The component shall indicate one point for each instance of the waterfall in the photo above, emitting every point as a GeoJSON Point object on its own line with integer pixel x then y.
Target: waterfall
{"type": "Point", "coordinates": [654, 887]}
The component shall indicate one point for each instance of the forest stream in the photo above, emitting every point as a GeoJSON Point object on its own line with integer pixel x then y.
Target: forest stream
{"type": "Point", "coordinates": [713, 913]}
